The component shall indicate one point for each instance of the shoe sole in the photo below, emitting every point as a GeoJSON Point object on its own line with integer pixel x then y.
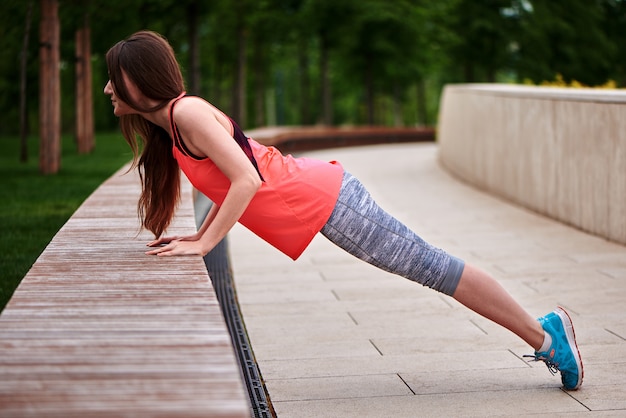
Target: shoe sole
{"type": "Point", "coordinates": [571, 340]}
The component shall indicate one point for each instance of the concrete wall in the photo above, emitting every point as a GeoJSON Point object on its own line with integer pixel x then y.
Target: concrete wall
{"type": "Point", "coordinates": [558, 151]}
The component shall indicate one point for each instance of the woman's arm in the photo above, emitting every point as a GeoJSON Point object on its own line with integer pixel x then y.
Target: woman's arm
{"type": "Point", "coordinates": [195, 237]}
{"type": "Point", "coordinates": [208, 219]}
{"type": "Point", "coordinates": [206, 136]}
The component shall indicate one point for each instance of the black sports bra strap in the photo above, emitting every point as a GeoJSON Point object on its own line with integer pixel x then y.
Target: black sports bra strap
{"type": "Point", "coordinates": [173, 128]}
{"type": "Point", "coordinates": [239, 137]}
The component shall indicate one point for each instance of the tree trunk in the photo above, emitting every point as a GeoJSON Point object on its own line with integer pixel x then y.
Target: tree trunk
{"type": "Point", "coordinates": [49, 89]}
{"type": "Point", "coordinates": [369, 89]}
{"type": "Point", "coordinates": [491, 75]}
{"type": "Point", "coordinates": [422, 109]}
{"type": "Point", "coordinates": [23, 80]}
{"type": "Point", "coordinates": [84, 92]}
{"type": "Point", "coordinates": [469, 72]}
{"type": "Point", "coordinates": [327, 108]}
{"type": "Point", "coordinates": [260, 86]}
{"type": "Point", "coordinates": [397, 106]}
{"type": "Point", "coordinates": [215, 88]}
{"type": "Point", "coordinates": [239, 90]}
{"type": "Point", "coordinates": [305, 84]}
{"type": "Point", "coordinates": [194, 49]}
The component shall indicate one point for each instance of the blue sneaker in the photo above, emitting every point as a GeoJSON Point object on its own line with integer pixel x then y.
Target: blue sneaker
{"type": "Point", "coordinates": [563, 354]}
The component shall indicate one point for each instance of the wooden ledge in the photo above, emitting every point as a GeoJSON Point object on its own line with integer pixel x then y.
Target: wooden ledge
{"type": "Point", "coordinates": [97, 328]}
{"type": "Point", "coordinates": [306, 138]}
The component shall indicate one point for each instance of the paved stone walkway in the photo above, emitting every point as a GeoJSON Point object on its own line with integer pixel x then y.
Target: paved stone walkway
{"type": "Point", "coordinates": [334, 337]}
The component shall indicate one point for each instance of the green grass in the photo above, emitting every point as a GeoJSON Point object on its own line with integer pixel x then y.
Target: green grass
{"type": "Point", "coordinates": [34, 207]}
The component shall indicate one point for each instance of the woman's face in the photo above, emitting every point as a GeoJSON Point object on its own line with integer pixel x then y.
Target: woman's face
{"type": "Point", "coordinates": [121, 108]}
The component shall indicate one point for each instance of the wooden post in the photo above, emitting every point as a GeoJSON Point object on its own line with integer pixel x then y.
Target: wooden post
{"type": "Point", "coordinates": [84, 99]}
{"type": "Point", "coordinates": [23, 80]}
{"type": "Point", "coordinates": [49, 89]}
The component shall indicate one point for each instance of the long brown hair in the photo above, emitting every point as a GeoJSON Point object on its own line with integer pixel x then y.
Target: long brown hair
{"type": "Point", "coordinates": [149, 62]}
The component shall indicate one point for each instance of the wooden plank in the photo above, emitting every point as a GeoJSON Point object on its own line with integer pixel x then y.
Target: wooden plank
{"type": "Point", "coordinates": [97, 328]}
{"type": "Point", "coordinates": [305, 138]}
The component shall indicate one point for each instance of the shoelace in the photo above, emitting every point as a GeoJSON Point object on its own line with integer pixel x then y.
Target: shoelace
{"type": "Point", "coordinates": [552, 367]}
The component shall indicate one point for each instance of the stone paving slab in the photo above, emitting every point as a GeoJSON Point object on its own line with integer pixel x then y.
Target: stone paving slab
{"type": "Point", "coordinates": [335, 337]}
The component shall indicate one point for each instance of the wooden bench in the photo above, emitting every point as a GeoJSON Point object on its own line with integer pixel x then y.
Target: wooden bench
{"type": "Point", "coordinates": [97, 328]}
{"type": "Point", "coordinates": [305, 138]}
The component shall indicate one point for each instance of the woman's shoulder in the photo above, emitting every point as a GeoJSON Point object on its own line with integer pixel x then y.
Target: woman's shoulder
{"type": "Point", "coordinates": [193, 109]}
{"type": "Point", "coordinates": [188, 104]}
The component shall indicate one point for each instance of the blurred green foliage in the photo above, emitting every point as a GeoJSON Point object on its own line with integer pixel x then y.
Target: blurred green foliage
{"type": "Point", "coordinates": [387, 60]}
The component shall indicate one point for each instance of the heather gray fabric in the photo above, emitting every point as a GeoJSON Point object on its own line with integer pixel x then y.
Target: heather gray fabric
{"type": "Point", "coordinates": [362, 228]}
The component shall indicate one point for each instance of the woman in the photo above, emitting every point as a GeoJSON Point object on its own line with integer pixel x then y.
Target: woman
{"type": "Point", "coordinates": [285, 200]}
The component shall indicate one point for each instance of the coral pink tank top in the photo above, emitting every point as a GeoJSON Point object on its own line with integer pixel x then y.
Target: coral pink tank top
{"type": "Point", "coordinates": [294, 202]}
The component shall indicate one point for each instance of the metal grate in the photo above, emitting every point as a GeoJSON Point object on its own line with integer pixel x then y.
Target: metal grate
{"type": "Point", "coordinates": [218, 265]}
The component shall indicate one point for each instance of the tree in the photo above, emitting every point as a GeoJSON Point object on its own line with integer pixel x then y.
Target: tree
{"type": "Point", "coordinates": [484, 35]}
{"type": "Point", "coordinates": [273, 25]}
{"type": "Point", "coordinates": [23, 84]}
{"type": "Point", "coordinates": [18, 69]}
{"type": "Point", "coordinates": [326, 61]}
{"type": "Point", "coordinates": [330, 20]}
{"type": "Point", "coordinates": [84, 99]}
{"type": "Point", "coordinates": [194, 76]}
{"type": "Point", "coordinates": [614, 24]}
{"type": "Point", "coordinates": [433, 61]}
{"type": "Point", "coordinates": [239, 87]}
{"type": "Point", "coordinates": [49, 88]}
{"type": "Point", "coordinates": [564, 37]}
{"type": "Point", "coordinates": [381, 51]}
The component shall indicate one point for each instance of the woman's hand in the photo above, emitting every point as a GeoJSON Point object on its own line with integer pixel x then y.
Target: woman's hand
{"type": "Point", "coordinates": [174, 246]}
{"type": "Point", "coordinates": [208, 137]}
{"type": "Point", "coordinates": [166, 240]}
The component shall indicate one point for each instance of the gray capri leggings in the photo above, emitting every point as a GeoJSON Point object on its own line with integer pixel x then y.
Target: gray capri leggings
{"type": "Point", "coordinates": [362, 228]}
